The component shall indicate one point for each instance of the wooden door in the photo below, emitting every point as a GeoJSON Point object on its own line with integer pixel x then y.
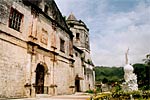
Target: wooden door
{"type": "Point", "coordinates": [39, 79]}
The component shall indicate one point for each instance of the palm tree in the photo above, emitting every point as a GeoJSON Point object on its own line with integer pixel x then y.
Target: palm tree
{"type": "Point", "coordinates": [147, 60]}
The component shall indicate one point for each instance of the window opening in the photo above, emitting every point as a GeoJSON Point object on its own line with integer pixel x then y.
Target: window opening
{"type": "Point", "coordinates": [46, 9]}
{"type": "Point", "coordinates": [77, 36]}
{"type": "Point", "coordinates": [62, 45]}
{"type": "Point", "coordinates": [15, 19]}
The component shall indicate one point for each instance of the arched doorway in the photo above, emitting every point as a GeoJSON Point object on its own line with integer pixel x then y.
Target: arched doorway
{"type": "Point", "coordinates": [40, 73]}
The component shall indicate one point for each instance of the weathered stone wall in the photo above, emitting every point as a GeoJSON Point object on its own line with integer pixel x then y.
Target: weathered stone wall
{"type": "Point", "coordinates": [62, 76]}
{"type": "Point", "coordinates": [12, 69]}
{"type": "Point", "coordinates": [79, 70]}
{"type": "Point", "coordinates": [13, 54]}
{"type": "Point", "coordinates": [5, 6]}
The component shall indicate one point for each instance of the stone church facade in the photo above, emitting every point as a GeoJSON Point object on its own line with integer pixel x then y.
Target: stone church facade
{"type": "Point", "coordinates": [41, 52]}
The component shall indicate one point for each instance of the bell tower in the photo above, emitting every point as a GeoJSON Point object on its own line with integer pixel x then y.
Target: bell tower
{"type": "Point", "coordinates": [80, 32]}
{"type": "Point", "coordinates": [81, 42]}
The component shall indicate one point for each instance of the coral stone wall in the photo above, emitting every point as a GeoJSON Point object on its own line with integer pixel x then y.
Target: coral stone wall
{"type": "Point", "coordinates": [12, 70]}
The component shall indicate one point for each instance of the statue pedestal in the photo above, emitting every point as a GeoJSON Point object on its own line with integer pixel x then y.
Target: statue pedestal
{"type": "Point", "coordinates": [130, 79]}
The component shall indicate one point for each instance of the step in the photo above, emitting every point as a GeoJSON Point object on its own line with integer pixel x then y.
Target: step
{"type": "Point", "coordinates": [42, 95]}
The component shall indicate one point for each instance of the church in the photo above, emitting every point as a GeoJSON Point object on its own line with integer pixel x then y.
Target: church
{"type": "Point", "coordinates": [41, 52]}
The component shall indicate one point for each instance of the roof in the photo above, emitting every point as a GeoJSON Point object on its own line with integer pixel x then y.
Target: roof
{"type": "Point", "coordinates": [71, 17]}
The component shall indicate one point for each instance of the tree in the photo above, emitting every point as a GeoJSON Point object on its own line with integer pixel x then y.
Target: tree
{"type": "Point", "coordinates": [105, 80]}
{"type": "Point", "coordinates": [112, 74]}
{"type": "Point", "coordinates": [147, 62]}
{"type": "Point", "coordinates": [140, 71]}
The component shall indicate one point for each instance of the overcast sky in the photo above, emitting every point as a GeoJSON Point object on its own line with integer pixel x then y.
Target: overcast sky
{"type": "Point", "coordinates": [115, 26]}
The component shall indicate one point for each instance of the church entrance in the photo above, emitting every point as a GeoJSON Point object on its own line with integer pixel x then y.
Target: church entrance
{"type": "Point", "coordinates": [40, 72]}
{"type": "Point", "coordinates": [77, 85]}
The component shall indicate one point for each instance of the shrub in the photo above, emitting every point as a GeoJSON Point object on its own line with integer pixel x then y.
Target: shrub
{"type": "Point", "coordinates": [89, 91]}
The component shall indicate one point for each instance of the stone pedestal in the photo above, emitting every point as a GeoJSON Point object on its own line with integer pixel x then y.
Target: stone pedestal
{"type": "Point", "coordinates": [130, 79]}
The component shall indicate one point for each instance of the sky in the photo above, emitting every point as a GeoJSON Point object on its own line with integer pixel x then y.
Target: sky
{"type": "Point", "coordinates": [115, 26]}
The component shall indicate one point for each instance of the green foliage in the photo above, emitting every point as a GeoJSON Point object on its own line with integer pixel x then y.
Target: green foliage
{"type": "Point", "coordinates": [118, 88]}
{"type": "Point", "coordinates": [98, 90]}
{"type": "Point", "coordinates": [147, 60]}
{"type": "Point", "coordinates": [121, 95]}
{"type": "Point", "coordinates": [89, 91]}
{"type": "Point", "coordinates": [142, 72]}
{"type": "Point", "coordinates": [102, 96]}
{"type": "Point", "coordinates": [138, 95]}
{"type": "Point", "coordinates": [109, 74]}
{"type": "Point", "coordinates": [105, 80]}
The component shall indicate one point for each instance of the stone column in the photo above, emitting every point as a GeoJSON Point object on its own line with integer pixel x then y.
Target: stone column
{"type": "Point", "coordinates": [28, 74]}
{"type": "Point", "coordinates": [94, 78]}
{"type": "Point", "coordinates": [33, 76]}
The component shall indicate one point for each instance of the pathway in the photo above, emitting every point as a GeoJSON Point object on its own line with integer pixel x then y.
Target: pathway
{"type": "Point", "coordinates": [76, 96]}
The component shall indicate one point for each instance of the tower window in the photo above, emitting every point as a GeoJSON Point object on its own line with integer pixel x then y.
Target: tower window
{"type": "Point", "coordinates": [71, 25]}
{"type": "Point", "coordinates": [76, 54]}
{"type": "Point", "coordinates": [77, 36]}
{"type": "Point", "coordinates": [15, 19]}
{"type": "Point", "coordinates": [46, 9]}
{"type": "Point", "coordinates": [62, 45]}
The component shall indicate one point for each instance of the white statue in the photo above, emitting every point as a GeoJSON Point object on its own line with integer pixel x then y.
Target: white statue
{"type": "Point", "coordinates": [129, 76]}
